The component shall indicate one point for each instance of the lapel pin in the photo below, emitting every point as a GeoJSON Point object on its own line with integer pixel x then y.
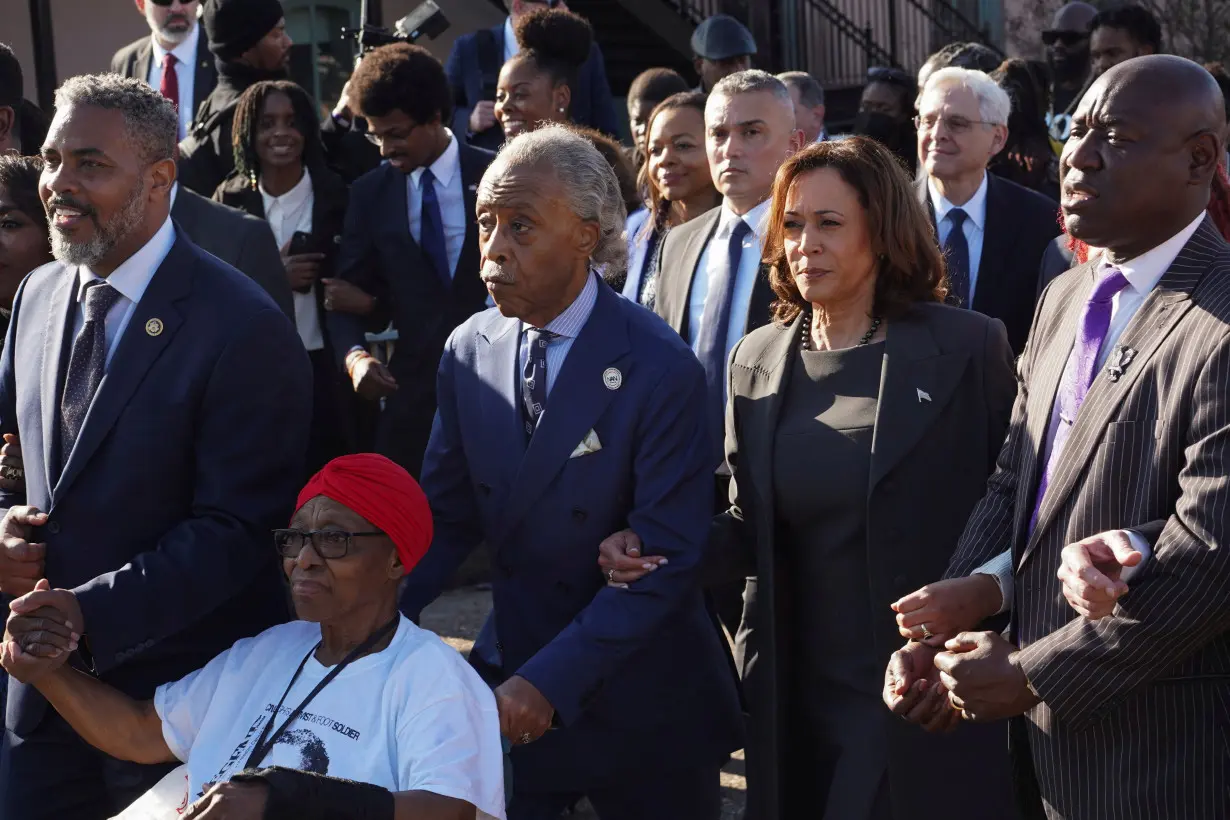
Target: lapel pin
{"type": "Point", "coordinates": [1119, 359]}
{"type": "Point", "coordinates": [154, 327]}
{"type": "Point", "coordinates": [923, 395]}
{"type": "Point", "coordinates": [612, 378]}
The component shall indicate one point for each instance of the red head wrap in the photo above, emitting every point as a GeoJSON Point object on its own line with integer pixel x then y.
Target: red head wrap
{"type": "Point", "coordinates": [383, 493]}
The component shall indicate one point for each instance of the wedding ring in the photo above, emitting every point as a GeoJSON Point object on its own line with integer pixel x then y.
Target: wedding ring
{"type": "Point", "coordinates": [926, 632]}
{"type": "Point", "coordinates": [610, 576]}
{"type": "Point", "coordinates": [526, 738]}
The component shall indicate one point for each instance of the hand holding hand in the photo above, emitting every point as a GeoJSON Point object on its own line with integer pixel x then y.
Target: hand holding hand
{"type": "Point", "coordinates": [982, 676]}
{"type": "Point", "coordinates": [482, 117]}
{"type": "Point", "coordinates": [37, 643]}
{"type": "Point", "coordinates": [371, 379]}
{"type": "Point", "coordinates": [21, 562]}
{"type": "Point", "coordinates": [525, 715]}
{"type": "Point", "coordinates": [12, 468]}
{"type": "Point", "coordinates": [230, 801]}
{"type": "Point", "coordinates": [619, 557]}
{"type": "Point", "coordinates": [343, 297]}
{"type": "Point", "coordinates": [1092, 570]}
{"type": "Point", "coordinates": [947, 607]}
{"type": "Point", "coordinates": [912, 689]}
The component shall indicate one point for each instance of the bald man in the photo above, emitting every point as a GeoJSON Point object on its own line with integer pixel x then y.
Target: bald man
{"type": "Point", "coordinates": [1067, 54]}
{"type": "Point", "coordinates": [1117, 457]}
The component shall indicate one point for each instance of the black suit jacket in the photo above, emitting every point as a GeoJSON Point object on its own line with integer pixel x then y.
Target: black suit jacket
{"type": "Point", "coordinates": [929, 464]}
{"type": "Point", "coordinates": [1020, 224]}
{"type": "Point", "coordinates": [242, 241]}
{"type": "Point", "coordinates": [137, 58]}
{"type": "Point", "coordinates": [329, 198]}
{"type": "Point", "coordinates": [191, 453]}
{"type": "Point", "coordinates": [677, 268]}
{"type": "Point", "coordinates": [379, 255]}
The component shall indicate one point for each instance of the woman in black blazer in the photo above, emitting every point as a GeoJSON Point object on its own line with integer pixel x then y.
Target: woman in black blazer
{"type": "Point", "coordinates": [280, 167]}
{"type": "Point", "coordinates": [861, 427]}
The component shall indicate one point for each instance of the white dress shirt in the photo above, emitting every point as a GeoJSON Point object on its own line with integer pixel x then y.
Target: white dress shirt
{"type": "Point", "coordinates": [131, 279]}
{"type": "Point", "coordinates": [185, 72]}
{"type": "Point", "coordinates": [974, 228]}
{"type": "Point", "coordinates": [511, 46]}
{"type": "Point", "coordinates": [1142, 273]}
{"type": "Point", "coordinates": [713, 263]}
{"type": "Point", "coordinates": [290, 212]}
{"type": "Point", "coordinates": [450, 191]}
{"type": "Point", "coordinates": [567, 326]}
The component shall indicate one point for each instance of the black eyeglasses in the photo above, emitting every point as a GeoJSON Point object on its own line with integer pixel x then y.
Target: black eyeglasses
{"type": "Point", "coordinates": [1068, 38]}
{"type": "Point", "coordinates": [327, 543]}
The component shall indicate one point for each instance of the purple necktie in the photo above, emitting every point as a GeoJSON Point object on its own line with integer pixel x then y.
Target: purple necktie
{"type": "Point", "coordinates": [1078, 374]}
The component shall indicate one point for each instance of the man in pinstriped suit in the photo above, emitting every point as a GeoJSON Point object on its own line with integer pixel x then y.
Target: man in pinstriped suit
{"type": "Point", "coordinates": [1120, 435]}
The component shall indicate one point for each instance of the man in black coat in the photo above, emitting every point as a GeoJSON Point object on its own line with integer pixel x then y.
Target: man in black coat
{"type": "Point", "coordinates": [992, 231]}
{"type": "Point", "coordinates": [410, 245]}
{"type": "Point", "coordinates": [174, 58]}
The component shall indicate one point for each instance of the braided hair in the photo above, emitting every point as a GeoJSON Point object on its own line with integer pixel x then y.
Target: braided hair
{"type": "Point", "coordinates": [247, 118]}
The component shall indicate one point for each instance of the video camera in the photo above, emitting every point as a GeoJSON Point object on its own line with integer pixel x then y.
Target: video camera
{"type": "Point", "coordinates": [426, 20]}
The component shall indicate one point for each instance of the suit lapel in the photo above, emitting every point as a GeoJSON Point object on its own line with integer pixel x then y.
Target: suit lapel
{"type": "Point", "coordinates": [916, 384]}
{"type": "Point", "coordinates": [1163, 309]}
{"type": "Point", "coordinates": [765, 385]}
{"type": "Point", "coordinates": [145, 60]}
{"type": "Point", "coordinates": [501, 399]}
{"type": "Point", "coordinates": [577, 400]}
{"type": "Point", "coordinates": [924, 196]}
{"type": "Point", "coordinates": [680, 284]}
{"type": "Point", "coordinates": [56, 342]}
{"type": "Point", "coordinates": [759, 308]}
{"type": "Point", "coordinates": [136, 351]}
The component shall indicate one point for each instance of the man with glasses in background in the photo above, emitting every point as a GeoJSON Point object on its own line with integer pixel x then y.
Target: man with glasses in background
{"type": "Point", "coordinates": [174, 58]}
{"type": "Point", "coordinates": [993, 232]}
{"type": "Point", "coordinates": [1067, 55]}
{"type": "Point", "coordinates": [409, 250]}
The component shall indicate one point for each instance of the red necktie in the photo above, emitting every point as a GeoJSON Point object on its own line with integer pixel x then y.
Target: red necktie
{"type": "Point", "coordinates": [169, 87]}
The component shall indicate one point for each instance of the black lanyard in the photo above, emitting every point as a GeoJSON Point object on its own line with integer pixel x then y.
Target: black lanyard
{"type": "Point", "coordinates": [265, 743]}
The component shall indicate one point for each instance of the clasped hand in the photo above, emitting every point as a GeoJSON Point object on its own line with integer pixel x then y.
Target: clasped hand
{"type": "Point", "coordinates": [44, 627]}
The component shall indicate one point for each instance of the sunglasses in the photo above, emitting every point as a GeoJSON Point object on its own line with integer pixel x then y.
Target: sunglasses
{"type": "Point", "coordinates": [165, 3]}
{"type": "Point", "coordinates": [892, 76]}
{"type": "Point", "coordinates": [1068, 38]}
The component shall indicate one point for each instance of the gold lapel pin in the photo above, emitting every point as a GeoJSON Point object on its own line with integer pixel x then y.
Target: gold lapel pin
{"type": "Point", "coordinates": [154, 327]}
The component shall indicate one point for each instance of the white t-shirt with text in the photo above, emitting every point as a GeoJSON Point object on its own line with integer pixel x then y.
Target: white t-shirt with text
{"type": "Point", "coordinates": [413, 716]}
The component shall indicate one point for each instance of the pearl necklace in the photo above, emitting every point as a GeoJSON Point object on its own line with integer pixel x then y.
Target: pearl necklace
{"type": "Point", "coordinates": [867, 337]}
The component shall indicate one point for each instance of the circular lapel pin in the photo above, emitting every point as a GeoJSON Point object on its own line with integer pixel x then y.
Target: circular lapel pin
{"type": "Point", "coordinates": [154, 327]}
{"type": "Point", "coordinates": [612, 378]}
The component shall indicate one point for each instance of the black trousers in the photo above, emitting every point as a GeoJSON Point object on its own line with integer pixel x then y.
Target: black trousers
{"type": "Point", "coordinates": [52, 774]}
{"type": "Point", "coordinates": [691, 794]}
{"type": "Point", "coordinates": [328, 436]}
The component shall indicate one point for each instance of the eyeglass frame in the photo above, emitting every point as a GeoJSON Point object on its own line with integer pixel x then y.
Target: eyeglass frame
{"type": "Point", "coordinates": [378, 141]}
{"type": "Point", "coordinates": [309, 538]}
{"type": "Point", "coordinates": [964, 127]}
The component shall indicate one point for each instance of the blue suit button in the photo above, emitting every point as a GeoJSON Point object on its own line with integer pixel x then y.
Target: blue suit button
{"type": "Point", "coordinates": [53, 527]}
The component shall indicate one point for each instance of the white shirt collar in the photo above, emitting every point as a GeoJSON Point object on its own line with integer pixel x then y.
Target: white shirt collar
{"type": "Point", "coordinates": [292, 199]}
{"type": "Point", "coordinates": [975, 209]}
{"type": "Point", "coordinates": [174, 193]}
{"type": "Point", "coordinates": [185, 52]}
{"type": "Point", "coordinates": [511, 46]}
{"type": "Point", "coordinates": [133, 275]}
{"type": "Point", "coordinates": [1145, 271]}
{"type": "Point", "coordinates": [445, 166]}
{"type": "Point", "coordinates": [755, 218]}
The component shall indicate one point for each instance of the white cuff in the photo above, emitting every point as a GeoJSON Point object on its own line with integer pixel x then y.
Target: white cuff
{"type": "Point", "coordinates": [1141, 545]}
{"type": "Point", "coordinates": [1000, 568]}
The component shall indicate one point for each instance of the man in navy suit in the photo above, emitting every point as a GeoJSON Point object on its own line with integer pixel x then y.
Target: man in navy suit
{"type": "Point", "coordinates": [473, 67]}
{"type": "Point", "coordinates": [409, 248]}
{"type": "Point", "coordinates": [161, 398]}
{"type": "Point", "coordinates": [569, 414]}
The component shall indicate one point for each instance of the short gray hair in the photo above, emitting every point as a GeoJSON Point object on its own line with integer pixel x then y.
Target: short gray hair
{"type": "Point", "coordinates": [593, 190]}
{"type": "Point", "coordinates": [150, 119]}
{"type": "Point", "coordinates": [811, 93]}
{"type": "Point", "coordinates": [994, 104]}
{"type": "Point", "coordinates": [752, 80]}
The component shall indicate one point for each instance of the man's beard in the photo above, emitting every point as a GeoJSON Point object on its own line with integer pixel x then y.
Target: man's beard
{"type": "Point", "coordinates": [106, 235]}
{"type": "Point", "coordinates": [173, 36]}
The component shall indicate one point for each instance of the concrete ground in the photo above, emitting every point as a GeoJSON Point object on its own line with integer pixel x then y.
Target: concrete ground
{"type": "Point", "coordinates": [457, 616]}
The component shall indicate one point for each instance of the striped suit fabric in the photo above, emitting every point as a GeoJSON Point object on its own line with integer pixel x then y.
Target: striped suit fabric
{"type": "Point", "coordinates": [1135, 713]}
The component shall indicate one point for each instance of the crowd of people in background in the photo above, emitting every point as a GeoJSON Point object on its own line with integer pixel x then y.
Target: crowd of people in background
{"type": "Point", "coordinates": [890, 450]}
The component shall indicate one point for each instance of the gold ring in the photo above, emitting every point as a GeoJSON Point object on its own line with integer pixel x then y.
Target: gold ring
{"type": "Point", "coordinates": [610, 576]}
{"type": "Point", "coordinates": [526, 738]}
{"type": "Point", "coordinates": [926, 632]}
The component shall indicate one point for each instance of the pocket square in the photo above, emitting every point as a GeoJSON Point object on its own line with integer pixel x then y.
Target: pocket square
{"type": "Point", "coordinates": [589, 444]}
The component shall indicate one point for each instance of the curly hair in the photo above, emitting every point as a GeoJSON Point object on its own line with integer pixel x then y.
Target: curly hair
{"type": "Point", "coordinates": [556, 41]}
{"type": "Point", "coordinates": [247, 118]}
{"type": "Point", "coordinates": [911, 267]}
{"type": "Point", "coordinates": [402, 77]}
{"type": "Point", "coordinates": [656, 84]}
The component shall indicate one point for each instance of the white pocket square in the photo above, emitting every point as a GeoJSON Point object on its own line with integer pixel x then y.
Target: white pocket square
{"type": "Point", "coordinates": [589, 444]}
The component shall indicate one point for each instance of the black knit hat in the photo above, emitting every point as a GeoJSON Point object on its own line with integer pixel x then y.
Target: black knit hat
{"type": "Point", "coordinates": [234, 26]}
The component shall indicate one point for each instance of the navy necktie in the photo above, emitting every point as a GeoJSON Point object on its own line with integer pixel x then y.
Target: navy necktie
{"type": "Point", "coordinates": [431, 229]}
{"type": "Point", "coordinates": [711, 340]}
{"type": "Point", "coordinates": [534, 377]}
{"type": "Point", "coordinates": [956, 251]}
{"type": "Point", "coordinates": [86, 364]}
